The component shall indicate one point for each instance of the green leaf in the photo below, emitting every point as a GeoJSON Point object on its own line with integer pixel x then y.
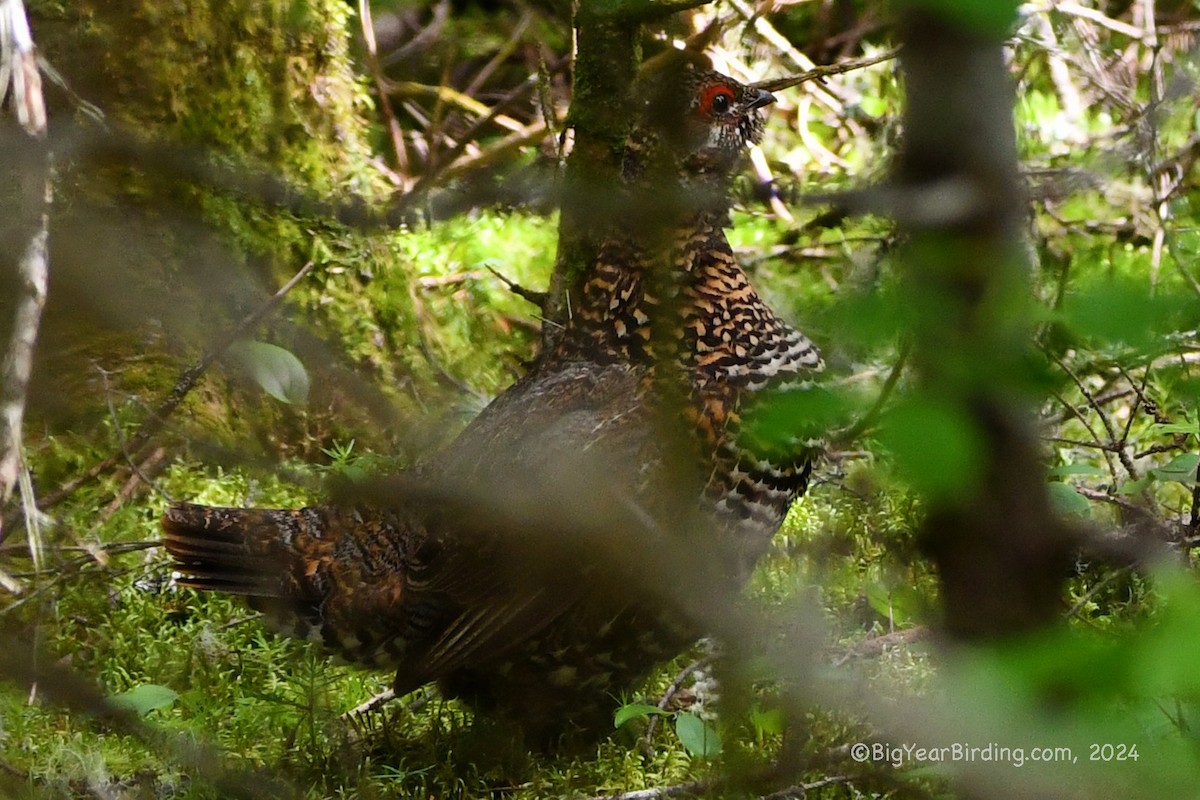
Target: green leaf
{"type": "Point", "coordinates": [776, 422]}
{"type": "Point", "coordinates": [1138, 486]}
{"type": "Point", "coordinates": [868, 319]}
{"type": "Point", "coordinates": [877, 598]}
{"type": "Point", "coordinates": [937, 447]}
{"type": "Point", "coordinates": [1176, 427]}
{"type": "Point", "coordinates": [633, 711]}
{"type": "Point", "coordinates": [1066, 500]}
{"type": "Point", "coordinates": [145, 698]}
{"type": "Point", "coordinates": [699, 738]}
{"type": "Point", "coordinates": [1064, 470]}
{"type": "Point", "coordinates": [1124, 311]}
{"type": "Point", "coordinates": [873, 106]}
{"type": "Point", "coordinates": [1181, 468]}
{"type": "Point", "coordinates": [277, 371]}
{"type": "Point", "coordinates": [899, 605]}
{"type": "Point", "coordinates": [767, 721]}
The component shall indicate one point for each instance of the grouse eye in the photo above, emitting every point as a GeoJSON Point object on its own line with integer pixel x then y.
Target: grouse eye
{"type": "Point", "coordinates": [716, 99]}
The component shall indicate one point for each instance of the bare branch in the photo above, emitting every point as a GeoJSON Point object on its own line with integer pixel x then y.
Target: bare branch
{"type": "Point", "coordinates": [35, 187]}
{"type": "Point", "coordinates": [1097, 17]}
{"type": "Point", "coordinates": [822, 72]}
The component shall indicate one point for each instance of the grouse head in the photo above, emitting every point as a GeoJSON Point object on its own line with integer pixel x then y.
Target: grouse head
{"type": "Point", "coordinates": [722, 120]}
{"type": "Point", "coordinates": [694, 125]}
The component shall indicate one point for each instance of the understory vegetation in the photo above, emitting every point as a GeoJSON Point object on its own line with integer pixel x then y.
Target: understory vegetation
{"type": "Point", "coordinates": [173, 229]}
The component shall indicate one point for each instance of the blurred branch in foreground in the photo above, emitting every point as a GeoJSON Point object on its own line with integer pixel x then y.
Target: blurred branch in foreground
{"type": "Point", "coordinates": [1001, 553]}
{"type": "Point", "coordinates": [29, 209]}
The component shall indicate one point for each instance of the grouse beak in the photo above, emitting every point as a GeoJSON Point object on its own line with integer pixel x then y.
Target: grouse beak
{"type": "Point", "coordinates": [764, 98]}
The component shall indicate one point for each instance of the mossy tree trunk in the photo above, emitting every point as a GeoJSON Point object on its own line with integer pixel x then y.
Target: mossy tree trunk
{"type": "Point", "coordinates": [608, 56]}
{"type": "Point", "coordinates": [149, 265]}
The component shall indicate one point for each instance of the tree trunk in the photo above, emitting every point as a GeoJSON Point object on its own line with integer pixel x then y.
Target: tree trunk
{"type": "Point", "coordinates": [999, 549]}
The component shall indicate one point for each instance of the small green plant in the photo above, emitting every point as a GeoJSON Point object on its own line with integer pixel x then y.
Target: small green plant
{"type": "Point", "coordinates": [699, 737]}
{"type": "Point", "coordinates": [144, 698]}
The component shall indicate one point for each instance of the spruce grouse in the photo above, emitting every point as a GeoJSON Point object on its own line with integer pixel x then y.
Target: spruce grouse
{"type": "Point", "coordinates": [527, 568]}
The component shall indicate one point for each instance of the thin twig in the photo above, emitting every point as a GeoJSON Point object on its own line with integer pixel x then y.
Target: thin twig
{"type": "Point", "coordinates": [111, 548]}
{"type": "Point", "coordinates": [1104, 420]}
{"type": "Point", "coordinates": [1159, 448]}
{"type": "Point", "coordinates": [801, 790]}
{"type": "Point", "coordinates": [1096, 589]}
{"type": "Point", "coordinates": [1100, 400]}
{"type": "Point", "coordinates": [530, 295]}
{"type": "Point", "coordinates": [431, 175]}
{"type": "Point", "coordinates": [666, 699]}
{"type": "Point", "coordinates": [822, 72]}
{"type": "Point", "coordinates": [1072, 104]}
{"type": "Point", "coordinates": [1118, 501]}
{"type": "Point", "coordinates": [1097, 445]}
{"type": "Point", "coordinates": [507, 49]}
{"type": "Point", "coordinates": [688, 789]}
{"type": "Point", "coordinates": [867, 420]}
{"type": "Point", "coordinates": [423, 40]}
{"type": "Point", "coordinates": [514, 141]}
{"type": "Point", "coordinates": [705, 785]}
{"type": "Point", "coordinates": [118, 430]}
{"type": "Point", "coordinates": [430, 358]}
{"type": "Point", "coordinates": [1097, 17]}
{"type": "Point", "coordinates": [826, 95]}
{"type": "Point", "coordinates": [357, 718]}
{"type": "Point", "coordinates": [385, 101]}
{"type": "Point", "coordinates": [10, 584]}
{"type": "Point", "coordinates": [141, 474]}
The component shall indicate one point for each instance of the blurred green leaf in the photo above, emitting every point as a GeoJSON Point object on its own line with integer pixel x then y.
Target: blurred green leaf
{"type": "Point", "coordinates": [1136, 487]}
{"type": "Point", "coordinates": [869, 319]}
{"type": "Point", "coordinates": [938, 451]}
{"type": "Point", "coordinates": [144, 698]}
{"type": "Point", "coordinates": [1181, 468]}
{"type": "Point", "coordinates": [277, 371]}
{"type": "Point", "coordinates": [1066, 500]}
{"type": "Point", "coordinates": [1176, 427]}
{"type": "Point", "coordinates": [698, 737]}
{"type": "Point", "coordinates": [1065, 470]}
{"type": "Point", "coordinates": [873, 106]}
{"type": "Point", "coordinates": [766, 721]}
{"type": "Point", "coordinates": [1165, 655]}
{"type": "Point", "coordinates": [1123, 311]}
{"type": "Point", "coordinates": [781, 421]}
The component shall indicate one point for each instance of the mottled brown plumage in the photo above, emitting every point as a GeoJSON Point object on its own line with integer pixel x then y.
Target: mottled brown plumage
{"type": "Point", "coordinates": [508, 568]}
